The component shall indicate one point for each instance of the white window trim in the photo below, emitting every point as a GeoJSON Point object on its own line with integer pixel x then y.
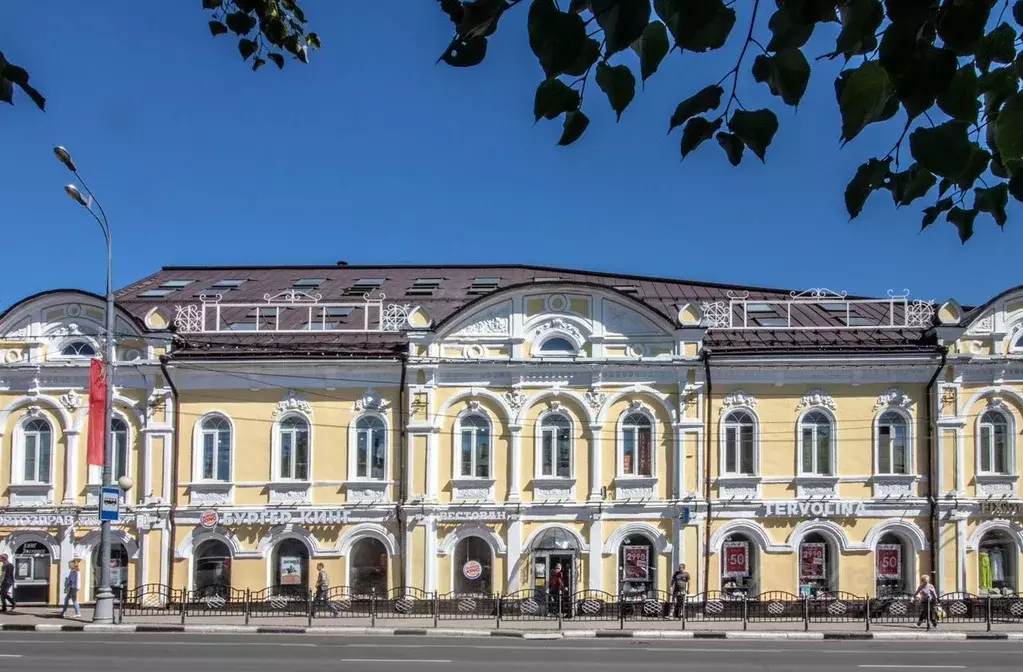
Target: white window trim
{"type": "Point", "coordinates": [620, 433]}
{"type": "Point", "coordinates": [197, 447]}
{"type": "Point", "coordinates": [96, 472]}
{"type": "Point", "coordinates": [538, 449]}
{"type": "Point", "coordinates": [910, 444]}
{"type": "Point", "coordinates": [723, 427]}
{"type": "Point", "coordinates": [353, 449]}
{"type": "Point", "coordinates": [57, 353]}
{"type": "Point", "coordinates": [833, 446]}
{"type": "Point", "coordinates": [456, 449]}
{"type": "Point", "coordinates": [275, 453]}
{"type": "Point", "coordinates": [18, 452]}
{"type": "Point", "coordinates": [1010, 431]}
{"type": "Point", "coordinates": [536, 350]}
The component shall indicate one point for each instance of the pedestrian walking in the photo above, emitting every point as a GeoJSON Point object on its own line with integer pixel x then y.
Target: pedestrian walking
{"type": "Point", "coordinates": [6, 583]}
{"type": "Point", "coordinates": [680, 589]}
{"type": "Point", "coordinates": [71, 585]}
{"type": "Point", "coordinates": [928, 597]}
{"type": "Point", "coordinates": [323, 589]}
{"type": "Point", "coordinates": [557, 587]}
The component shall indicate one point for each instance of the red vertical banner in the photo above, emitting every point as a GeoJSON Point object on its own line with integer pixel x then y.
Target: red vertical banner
{"type": "Point", "coordinates": [96, 451]}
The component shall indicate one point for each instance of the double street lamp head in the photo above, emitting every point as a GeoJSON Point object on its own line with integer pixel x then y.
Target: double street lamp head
{"type": "Point", "coordinates": [65, 157]}
{"type": "Point", "coordinates": [75, 195]}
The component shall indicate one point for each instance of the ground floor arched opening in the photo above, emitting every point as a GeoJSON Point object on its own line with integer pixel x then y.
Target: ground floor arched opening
{"type": "Point", "coordinates": [32, 566]}
{"type": "Point", "coordinates": [739, 566]}
{"type": "Point", "coordinates": [212, 569]}
{"type": "Point", "coordinates": [473, 567]}
{"type": "Point", "coordinates": [997, 564]}
{"type": "Point", "coordinates": [367, 569]}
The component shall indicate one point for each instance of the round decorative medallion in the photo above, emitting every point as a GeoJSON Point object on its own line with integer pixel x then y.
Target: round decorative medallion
{"type": "Point", "coordinates": [214, 601]}
{"type": "Point", "coordinates": [652, 608]}
{"type": "Point", "coordinates": [957, 609]}
{"type": "Point", "coordinates": [530, 606]}
{"type": "Point", "coordinates": [714, 608]}
{"type": "Point", "coordinates": [591, 607]}
{"type": "Point", "coordinates": [837, 608]}
{"type": "Point", "coordinates": [467, 605]}
{"type": "Point", "coordinates": [404, 605]}
{"type": "Point", "coordinates": [898, 609]}
{"type": "Point", "coordinates": [775, 608]}
{"type": "Point", "coordinates": [557, 303]}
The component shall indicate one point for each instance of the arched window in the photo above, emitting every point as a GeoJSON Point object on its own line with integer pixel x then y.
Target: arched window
{"type": "Point", "coordinates": [216, 449]}
{"type": "Point", "coordinates": [119, 432]}
{"type": "Point", "coordinates": [815, 433]}
{"type": "Point", "coordinates": [893, 447]}
{"type": "Point", "coordinates": [473, 567]}
{"type": "Point", "coordinates": [739, 566]}
{"type": "Point", "coordinates": [37, 451]}
{"type": "Point", "coordinates": [557, 346]}
{"type": "Point", "coordinates": [556, 446]}
{"type": "Point", "coordinates": [474, 458]}
{"type": "Point", "coordinates": [636, 565]}
{"type": "Point", "coordinates": [637, 445]}
{"type": "Point", "coordinates": [370, 448]}
{"type": "Point", "coordinates": [818, 570]}
{"type": "Point", "coordinates": [293, 438]}
{"type": "Point", "coordinates": [368, 569]}
{"type": "Point", "coordinates": [997, 555]}
{"type": "Point", "coordinates": [893, 566]}
{"type": "Point", "coordinates": [291, 567]}
{"type": "Point", "coordinates": [994, 443]}
{"type": "Point", "coordinates": [212, 569]}
{"type": "Point", "coordinates": [78, 349]}
{"type": "Point", "coordinates": [740, 437]}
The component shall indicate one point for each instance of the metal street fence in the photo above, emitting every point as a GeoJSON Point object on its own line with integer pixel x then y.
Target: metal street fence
{"type": "Point", "coordinates": [159, 600]}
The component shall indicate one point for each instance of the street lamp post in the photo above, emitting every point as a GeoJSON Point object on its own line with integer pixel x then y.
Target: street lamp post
{"type": "Point", "coordinates": [104, 609]}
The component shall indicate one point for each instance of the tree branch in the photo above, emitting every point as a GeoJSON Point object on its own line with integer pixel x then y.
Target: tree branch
{"type": "Point", "coordinates": [734, 72]}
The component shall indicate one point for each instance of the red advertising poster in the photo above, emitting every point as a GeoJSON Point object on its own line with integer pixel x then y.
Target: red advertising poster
{"type": "Point", "coordinates": [889, 561]}
{"type": "Point", "coordinates": [637, 563]}
{"type": "Point", "coordinates": [811, 561]}
{"type": "Point", "coordinates": [736, 558]}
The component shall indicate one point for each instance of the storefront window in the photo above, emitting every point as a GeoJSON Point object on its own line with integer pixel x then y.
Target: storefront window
{"type": "Point", "coordinates": [892, 566]}
{"type": "Point", "coordinates": [739, 566]}
{"type": "Point", "coordinates": [212, 568]}
{"type": "Point", "coordinates": [997, 564]}
{"type": "Point", "coordinates": [369, 568]}
{"type": "Point", "coordinates": [473, 559]}
{"type": "Point", "coordinates": [818, 575]}
{"type": "Point", "coordinates": [118, 566]}
{"type": "Point", "coordinates": [32, 564]}
{"type": "Point", "coordinates": [291, 566]}
{"type": "Point", "coordinates": [636, 567]}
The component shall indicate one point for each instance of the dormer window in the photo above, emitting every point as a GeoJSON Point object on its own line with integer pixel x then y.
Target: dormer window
{"type": "Point", "coordinates": [557, 346]}
{"type": "Point", "coordinates": [78, 349]}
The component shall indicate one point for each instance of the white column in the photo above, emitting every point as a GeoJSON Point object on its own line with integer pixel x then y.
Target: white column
{"type": "Point", "coordinates": [596, 552]}
{"type": "Point", "coordinates": [960, 555]}
{"type": "Point", "coordinates": [165, 542]}
{"type": "Point", "coordinates": [71, 468]}
{"type": "Point", "coordinates": [432, 466]}
{"type": "Point", "coordinates": [67, 552]}
{"type": "Point", "coordinates": [680, 460]}
{"type": "Point", "coordinates": [430, 571]}
{"type": "Point", "coordinates": [514, 553]}
{"type": "Point", "coordinates": [596, 477]}
{"type": "Point", "coordinates": [678, 531]}
{"type": "Point", "coordinates": [515, 485]}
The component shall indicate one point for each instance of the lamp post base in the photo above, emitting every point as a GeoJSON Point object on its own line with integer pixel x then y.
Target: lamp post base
{"type": "Point", "coordinates": [103, 612]}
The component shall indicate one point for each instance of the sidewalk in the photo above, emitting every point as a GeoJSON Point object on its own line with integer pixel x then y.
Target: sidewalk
{"type": "Point", "coordinates": [48, 620]}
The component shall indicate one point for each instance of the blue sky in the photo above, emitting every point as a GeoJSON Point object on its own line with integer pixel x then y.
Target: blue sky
{"type": "Point", "coordinates": [374, 154]}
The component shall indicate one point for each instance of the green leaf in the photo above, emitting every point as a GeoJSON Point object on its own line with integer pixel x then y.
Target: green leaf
{"type": "Point", "coordinates": [755, 128]}
{"type": "Point", "coordinates": [1009, 129]}
{"type": "Point", "coordinates": [898, 48]}
{"type": "Point", "coordinates": [860, 21]}
{"type": "Point", "coordinates": [996, 47]}
{"type": "Point", "coordinates": [240, 23]}
{"type": "Point", "coordinates": [556, 38]}
{"type": "Point", "coordinates": [19, 76]}
{"type": "Point", "coordinates": [733, 147]}
{"type": "Point", "coordinates": [578, 6]}
{"type": "Point", "coordinates": [211, 4]}
{"type": "Point", "coordinates": [963, 220]}
{"type": "Point", "coordinates": [465, 53]}
{"type": "Point", "coordinates": [697, 130]}
{"type": "Point", "coordinates": [697, 25]}
{"type": "Point", "coordinates": [553, 98]}
{"type": "Point", "coordinates": [1016, 186]}
{"type": "Point", "coordinates": [246, 48]}
{"type": "Point", "coordinates": [313, 40]}
{"type": "Point", "coordinates": [217, 28]}
{"type": "Point", "coordinates": [258, 63]}
{"type": "Point", "coordinates": [993, 201]}
{"type": "Point", "coordinates": [622, 21]}
{"type": "Point", "coordinates": [303, 54]}
{"type": "Point", "coordinates": [1017, 12]}
{"type": "Point", "coordinates": [705, 100]}
{"type": "Point", "coordinates": [619, 84]}
{"type": "Point", "coordinates": [976, 164]}
{"type": "Point", "coordinates": [961, 24]}
{"type": "Point", "coordinates": [943, 186]}
{"type": "Point", "coordinates": [911, 184]}
{"type": "Point", "coordinates": [863, 96]}
{"type": "Point", "coordinates": [651, 48]}
{"type": "Point", "coordinates": [6, 91]}
{"type": "Point", "coordinates": [869, 177]}
{"type": "Point", "coordinates": [277, 59]}
{"type": "Point", "coordinates": [587, 57]}
{"type": "Point", "coordinates": [575, 123]}
{"type": "Point", "coordinates": [787, 30]}
{"type": "Point", "coordinates": [786, 73]}
{"type": "Point", "coordinates": [997, 86]}
{"type": "Point", "coordinates": [959, 100]}
{"type": "Point", "coordinates": [928, 74]}
{"type": "Point", "coordinates": [480, 17]}
{"type": "Point", "coordinates": [943, 150]}
{"type": "Point", "coordinates": [931, 213]}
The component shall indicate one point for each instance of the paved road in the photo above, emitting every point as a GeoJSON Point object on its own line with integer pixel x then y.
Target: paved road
{"type": "Point", "coordinates": [44, 652]}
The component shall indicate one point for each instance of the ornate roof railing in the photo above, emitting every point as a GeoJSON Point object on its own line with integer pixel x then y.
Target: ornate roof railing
{"type": "Point", "coordinates": [816, 310]}
{"type": "Point", "coordinates": [291, 312]}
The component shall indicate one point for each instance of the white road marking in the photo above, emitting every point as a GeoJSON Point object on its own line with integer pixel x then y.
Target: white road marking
{"type": "Point", "coordinates": [10, 655]}
{"type": "Point", "coordinates": [915, 667]}
{"type": "Point", "coordinates": [392, 660]}
{"type": "Point", "coordinates": [120, 642]}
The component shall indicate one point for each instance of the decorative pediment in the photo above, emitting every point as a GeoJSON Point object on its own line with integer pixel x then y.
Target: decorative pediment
{"type": "Point", "coordinates": [738, 399]}
{"type": "Point", "coordinates": [619, 319]}
{"type": "Point", "coordinates": [491, 322]}
{"type": "Point", "coordinates": [71, 400]}
{"type": "Point", "coordinates": [371, 401]}
{"type": "Point", "coordinates": [560, 325]}
{"type": "Point", "coordinates": [817, 398]}
{"type": "Point", "coordinates": [893, 396]}
{"type": "Point", "coordinates": [292, 403]}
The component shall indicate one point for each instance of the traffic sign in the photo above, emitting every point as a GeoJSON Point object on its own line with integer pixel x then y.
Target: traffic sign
{"type": "Point", "coordinates": [110, 504]}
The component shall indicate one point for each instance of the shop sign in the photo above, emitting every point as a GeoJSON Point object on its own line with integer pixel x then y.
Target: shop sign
{"type": "Point", "coordinates": [736, 558]}
{"type": "Point", "coordinates": [1005, 509]}
{"type": "Point", "coordinates": [211, 517]}
{"type": "Point", "coordinates": [811, 561]}
{"type": "Point", "coordinates": [472, 570]}
{"type": "Point", "coordinates": [637, 563]}
{"type": "Point", "coordinates": [291, 570]}
{"type": "Point", "coordinates": [36, 519]}
{"type": "Point", "coordinates": [820, 508]}
{"type": "Point", "coordinates": [470, 514]}
{"type": "Point", "coordinates": [889, 561]}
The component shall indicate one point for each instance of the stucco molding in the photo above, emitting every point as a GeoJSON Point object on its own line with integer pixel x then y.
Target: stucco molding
{"type": "Point", "coordinates": [467, 530]}
{"type": "Point", "coordinates": [656, 537]}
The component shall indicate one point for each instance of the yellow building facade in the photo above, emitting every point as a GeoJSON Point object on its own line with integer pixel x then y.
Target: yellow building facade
{"type": "Point", "coordinates": [491, 430]}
